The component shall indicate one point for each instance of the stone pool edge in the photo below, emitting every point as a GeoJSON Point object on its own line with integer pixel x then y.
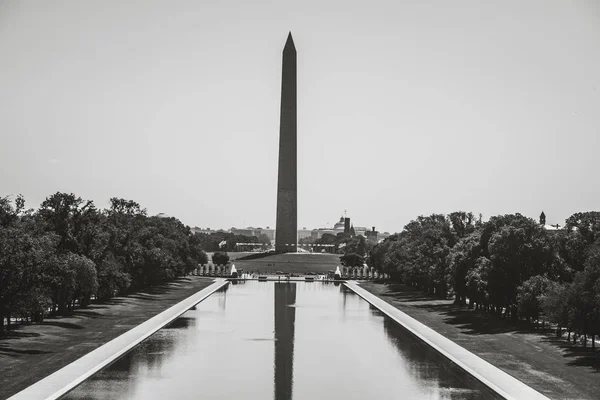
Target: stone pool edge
{"type": "Point", "coordinates": [67, 378]}
{"type": "Point", "coordinates": [493, 377]}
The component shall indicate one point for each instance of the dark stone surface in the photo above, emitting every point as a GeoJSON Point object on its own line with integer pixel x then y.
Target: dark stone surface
{"type": "Point", "coordinates": [286, 228]}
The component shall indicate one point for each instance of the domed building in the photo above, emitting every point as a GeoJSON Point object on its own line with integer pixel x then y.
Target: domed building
{"type": "Point", "coordinates": [339, 226]}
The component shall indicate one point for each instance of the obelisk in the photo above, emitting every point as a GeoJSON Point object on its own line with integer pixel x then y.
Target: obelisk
{"type": "Point", "coordinates": [286, 225]}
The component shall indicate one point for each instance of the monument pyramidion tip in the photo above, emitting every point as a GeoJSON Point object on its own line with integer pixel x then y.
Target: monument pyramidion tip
{"type": "Point", "coordinates": [289, 44]}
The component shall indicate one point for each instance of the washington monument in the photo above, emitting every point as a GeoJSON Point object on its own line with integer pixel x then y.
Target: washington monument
{"type": "Point", "coordinates": [286, 225]}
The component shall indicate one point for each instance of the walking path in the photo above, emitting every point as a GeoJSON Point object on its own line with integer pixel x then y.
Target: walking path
{"type": "Point", "coordinates": [549, 365]}
{"type": "Point", "coordinates": [32, 352]}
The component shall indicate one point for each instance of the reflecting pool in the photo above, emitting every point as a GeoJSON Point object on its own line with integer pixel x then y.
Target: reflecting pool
{"type": "Point", "coordinates": [262, 340]}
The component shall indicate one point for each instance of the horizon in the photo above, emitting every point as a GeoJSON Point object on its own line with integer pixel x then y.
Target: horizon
{"type": "Point", "coordinates": [404, 109]}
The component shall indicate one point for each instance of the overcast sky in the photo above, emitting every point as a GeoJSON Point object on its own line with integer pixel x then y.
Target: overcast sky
{"type": "Point", "coordinates": [405, 108]}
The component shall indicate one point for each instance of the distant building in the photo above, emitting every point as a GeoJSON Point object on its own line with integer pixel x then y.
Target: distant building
{"type": "Point", "coordinates": [553, 228]}
{"type": "Point", "coordinates": [304, 233]}
{"type": "Point", "coordinates": [243, 231]}
{"type": "Point", "coordinates": [251, 231]}
{"type": "Point", "coordinates": [549, 227]}
{"type": "Point", "coordinates": [376, 237]}
{"type": "Point", "coordinates": [360, 231]}
{"type": "Point", "coordinates": [318, 233]}
{"type": "Point", "coordinates": [344, 225]}
{"type": "Point", "coordinates": [542, 218]}
{"type": "Point", "coordinates": [341, 225]}
{"type": "Point", "coordinates": [206, 231]}
{"type": "Point", "coordinates": [338, 227]}
{"type": "Point", "coordinates": [382, 236]}
{"type": "Point", "coordinates": [372, 235]}
{"type": "Point", "coordinates": [266, 231]}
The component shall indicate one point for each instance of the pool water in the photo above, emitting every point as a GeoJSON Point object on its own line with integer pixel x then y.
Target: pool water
{"type": "Point", "coordinates": [297, 340]}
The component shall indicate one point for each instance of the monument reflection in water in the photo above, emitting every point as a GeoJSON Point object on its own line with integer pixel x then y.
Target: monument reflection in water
{"type": "Point", "coordinates": [285, 315]}
{"type": "Point", "coordinates": [262, 340]}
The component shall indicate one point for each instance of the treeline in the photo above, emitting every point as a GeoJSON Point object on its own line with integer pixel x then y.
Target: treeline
{"type": "Point", "coordinates": [343, 243]}
{"type": "Point", "coordinates": [68, 251]}
{"type": "Point", "coordinates": [226, 241]}
{"type": "Point", "coordinates": [510, 265]}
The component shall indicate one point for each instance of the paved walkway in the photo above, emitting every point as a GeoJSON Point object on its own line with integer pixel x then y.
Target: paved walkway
{"type": "Point", "coordinates": [33, 352]}
{"type": "Point", "coordinates": [549, 365]}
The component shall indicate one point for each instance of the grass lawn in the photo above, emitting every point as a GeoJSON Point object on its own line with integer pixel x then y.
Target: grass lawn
{"type": "Point", "coordinates": [299, 263]}
{"type": "Point", "coordinates": [233, 255]}
{"type": "Point", "coordinates": [32, 352]}
{"type": "Point", "coordinates": [549, 365]}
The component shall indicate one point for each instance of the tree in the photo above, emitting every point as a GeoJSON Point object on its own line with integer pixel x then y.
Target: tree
{"type": "Point", "coordinates": [327, 238]}
{"type": "Point", "coordinates": [111, 278]}
{"type": "Point", "coordinates": [8, 213]}
{"type": "Point", "coordinates": [584, 299]}
{"type": "Point", "coordinates": [461, 260]}
{"type": "Point", "coordinates": [307, 240]}
{"type": "Point", "coordinates": [352, 260]}
{"type": "Point", "coordinates": [163, 245]}
{"type": "Point", "coordinates": [477, 283]}
{"type": "Point", "coordinates": [555, 304]}
{"type": "Point", "coordinates": [125, 223]}
{"type": "Point", "coordinates": [264, 238]}
{"type": "Point", "coordinates": [357, 244]}
{"type": "Point", "coordinates": [67, 215]}
{"type": "Point", "coordinates": [24, 256]}
{"type": "Point", "coordinates": [572, 247]}
{"type": "Point", "coordinates": [196, 252]}
{"type": "Point", "coordinates": [496, 223]}
{"type": "Point", "coordinates": [462, 223]}
{"type": "Point", "coordinates": [70, 277]}
{"type": "Point", "coordinates": [67, 251]}
{"type": "Point", "coordinates": [378, 254]}
{"type": "Point", "coordinates": [60, 276]}
{"type": "Point", "coordinates": [421, 253]}
{"type": "Point", "coordinates": [517, 252]}
{"type": "Point", "coordinates": [120, 206]}
{"type": "Point", "coordinates": [587, 223]}
{"type": "Point", "coordinates": [86, 279]}
{"type": "Point", "coordinates": [529, 296]}
{"type": "Point", "coordinates": [220, 258]}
